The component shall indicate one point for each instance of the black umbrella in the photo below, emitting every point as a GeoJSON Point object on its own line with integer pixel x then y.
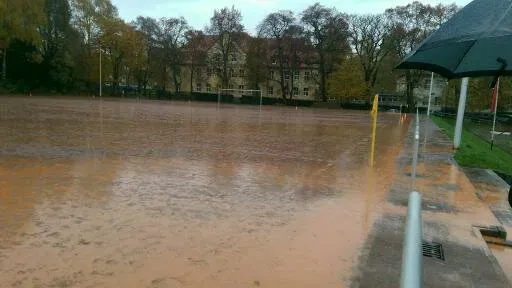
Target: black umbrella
{"type": "Point", "coordinates": [477, 41]}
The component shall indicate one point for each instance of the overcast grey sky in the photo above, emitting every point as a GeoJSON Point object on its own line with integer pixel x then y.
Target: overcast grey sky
{"type": "Point", "coordinates": [199, 12]}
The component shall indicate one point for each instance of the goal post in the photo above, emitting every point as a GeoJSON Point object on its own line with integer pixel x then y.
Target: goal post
{"type": "Point", "coordinates": [239, 90]}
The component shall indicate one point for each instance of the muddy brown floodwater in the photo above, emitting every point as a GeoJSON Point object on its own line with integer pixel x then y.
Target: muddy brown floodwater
{"type": "Point", "coordinates": [158, 194]}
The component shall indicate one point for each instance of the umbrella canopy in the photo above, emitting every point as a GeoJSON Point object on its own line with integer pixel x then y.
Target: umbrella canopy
{"type": "Point", "coordinates": [477, 41]}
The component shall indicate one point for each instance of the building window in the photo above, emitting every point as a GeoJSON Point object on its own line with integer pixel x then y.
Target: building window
{"type": "Point", "coordinates": [208, 87]}
{"type": "Point", "coordinates": [241, 87]}
{"type": "Point", "coordinates": [295, 91]}
{"type": "Point", "coordinates": [270, 91]}
{"type": "Point", "coordinates": [233, 57]}
{"type": "Point", "coordinates": [286, 75]}
{"type": "Point", "coordinates": [271, 75]}
{"type": "Point", "coordinates": [209, 72]}
{"type": "Point", "coordinates": [306, 76]}
{"type": "Point", "coordinates": [305, 92]}
{"type": "Point", "coordinates": [198, 87]}
{"type": "Point", "coordinates": [296, 75]}
{"type": "Point", "coordinates": [241, 72]}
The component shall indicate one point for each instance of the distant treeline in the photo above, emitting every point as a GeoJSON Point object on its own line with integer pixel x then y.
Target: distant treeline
{"type": "Point", "coordinates": [55, 45]}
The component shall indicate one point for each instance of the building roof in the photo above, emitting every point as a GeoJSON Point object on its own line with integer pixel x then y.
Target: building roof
{"type": "Point", "coordinates": [307, 57]}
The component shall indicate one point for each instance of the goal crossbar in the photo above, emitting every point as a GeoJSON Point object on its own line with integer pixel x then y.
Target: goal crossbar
{"type": "Point", "coordinates": [243, 90]}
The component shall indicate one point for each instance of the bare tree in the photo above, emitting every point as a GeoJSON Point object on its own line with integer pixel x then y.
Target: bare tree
{"type": "Point", "coordinates": [173, 38]}
{"type": "Point", "coordinates": [369, 38]}
{"type": "Point", "coordinates": [226, 24]}
{"type": "Point", "coordinates": [296, 52]}
{"type": "Point", "coordinates": [170, 38]}
{"type": "Point", "coordinates": [327, 30]}
{"type": "Point", "coordinates": [278, 27]}
{"type": "Point", "coordinates": [148, 27]}
{"type": "Point", "coordinates": [195, 51]}
{"type": "Point", "coordinates": [411, 24]}
{"type": "Point", "coordinates": [256, 63]}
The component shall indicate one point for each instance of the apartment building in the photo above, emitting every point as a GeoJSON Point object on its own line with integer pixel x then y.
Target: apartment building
{"type": "Point", "coordinates": [299, 81]}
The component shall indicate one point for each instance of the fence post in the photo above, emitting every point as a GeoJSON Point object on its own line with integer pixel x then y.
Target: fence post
{"type": "Point", "coordinates": [416, 146]}
{"type": "Point", "coordinates": [412, 257]}
{"type": "Point", "coordinates": [460, 113]}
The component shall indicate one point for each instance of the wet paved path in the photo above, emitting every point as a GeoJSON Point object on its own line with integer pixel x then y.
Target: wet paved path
{"type": "Point", "coordinates": [453, 202]}
{"type": "Point", "coordinates": [157, 194]}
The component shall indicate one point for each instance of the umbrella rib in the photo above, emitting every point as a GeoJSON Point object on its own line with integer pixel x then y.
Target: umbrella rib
{"type": "Point", "coordinates": [464, 56]}
{"type": "Point", "coordinates": [501, 19]}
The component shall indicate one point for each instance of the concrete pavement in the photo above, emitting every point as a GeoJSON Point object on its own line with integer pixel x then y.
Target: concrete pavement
{"type": "Point", "coordinates": [454, 201]}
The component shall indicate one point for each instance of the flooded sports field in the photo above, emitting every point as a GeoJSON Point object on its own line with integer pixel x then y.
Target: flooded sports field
{"type": "Point", "coordinates": [110, 193]}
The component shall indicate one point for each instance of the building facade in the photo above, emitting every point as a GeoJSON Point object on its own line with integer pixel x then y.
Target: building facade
{"type": "Point", "coordinates": [300, 82]}
{"type": "Point", "coordinates": [421, 92]}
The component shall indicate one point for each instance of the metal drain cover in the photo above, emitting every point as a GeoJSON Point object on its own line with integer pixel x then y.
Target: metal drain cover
{"type": "Point", "coordinates": [433, 249]}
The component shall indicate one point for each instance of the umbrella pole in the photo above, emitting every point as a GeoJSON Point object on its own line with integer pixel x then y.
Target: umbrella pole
{"type": "Point", "coordinates": [495, 112]}
{"type": "Point", "coordinates": [460, 112]}
{"type": "Point", "coordinates": [430, 94]}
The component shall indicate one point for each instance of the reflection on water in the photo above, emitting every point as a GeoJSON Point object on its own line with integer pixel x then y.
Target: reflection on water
{"type": "Point", "coordinates": [504, 256]}
{"type": "Point", "coordinates": [153, 194]}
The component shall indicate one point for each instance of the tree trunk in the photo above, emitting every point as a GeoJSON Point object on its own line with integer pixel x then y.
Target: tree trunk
{"type": "Point", "coordinates": [191, 79]}
{"type": "Point", "coordinates": [292, 74]}
{"type": "Point", "coordinates": [284, 87]}
{"type": "Point", "coordinates": [323, 80]}
{"type": "Point", "coordinates": [128, 76]}
{"type": "Point", "coordinates": [116, 67]}
{"type": "Point", "coordinates": [145, 82]}
{"type": "Point", "coordinates": [176, 79]}
{"type": "Point", "coordinates": [225, 73]}
{"type": "Point", "coordinates": [164, 79]}
{"type": "Point", "coordinates": [4, 65]}
{"type": "Point", "coordinates": [409, 90]}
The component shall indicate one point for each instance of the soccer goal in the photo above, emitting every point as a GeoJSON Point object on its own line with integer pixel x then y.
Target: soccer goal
{"type": "Point", "coordinates": [242, 92]}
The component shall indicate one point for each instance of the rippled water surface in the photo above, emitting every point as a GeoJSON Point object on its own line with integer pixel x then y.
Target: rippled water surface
{"type": "Point", "coordinates": [162, 194]}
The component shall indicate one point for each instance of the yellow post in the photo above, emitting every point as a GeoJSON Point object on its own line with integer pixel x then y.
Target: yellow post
{"type": "Point", "coordinates": [375, 109]}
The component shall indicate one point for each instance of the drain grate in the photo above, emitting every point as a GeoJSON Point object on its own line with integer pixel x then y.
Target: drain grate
{"type": "Point", "coordinates": [433, 249]}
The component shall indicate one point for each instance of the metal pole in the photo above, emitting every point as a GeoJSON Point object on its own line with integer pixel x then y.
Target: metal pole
{"type": "Point", "coordinates": [417, 119]}
{"type": "Point", "coordinates": [460, 112]}
{"type": "Point", "coordinates": [100, 76]}
{"type": "Point", "coordinates": [218, 98]}
{"type": "Point", "coordinates": [416, 146]}
{"type": "Point", "coordinates": [495, 112]}
{"type": "Point", "coordinates": [412, 259]}
{"type": "Point", "coordinates": [375, 112]}
{"type": "Point", "coordinates": [261, 99]}
{"type": "Point", "coordinates": [430, 93]}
